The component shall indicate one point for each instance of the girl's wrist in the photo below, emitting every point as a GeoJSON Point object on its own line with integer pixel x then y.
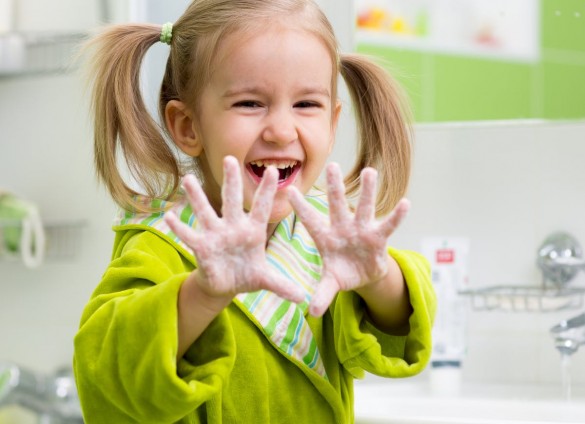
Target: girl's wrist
{"type": "Point", "coordinates": [381, 283]}
{"type": "Point", "coordinates": [373, 287]}
{"type": "Point", "coordinates": [196, 310]}
{"type": "Point", "coordinates": [387, 301]}
{"type": "Point", "coordinates": [200, 298]}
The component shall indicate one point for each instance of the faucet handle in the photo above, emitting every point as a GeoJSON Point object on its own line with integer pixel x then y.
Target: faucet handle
{"type": "Point", "coordinates": [569, 261]}
{"type": "Point", "coordinates": [560, 258]}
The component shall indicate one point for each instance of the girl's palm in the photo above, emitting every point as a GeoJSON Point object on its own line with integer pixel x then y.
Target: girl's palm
{"type": "Point", "coordinates": [352, 247]}
{"type": "Point", "coordinates": [230, 249]}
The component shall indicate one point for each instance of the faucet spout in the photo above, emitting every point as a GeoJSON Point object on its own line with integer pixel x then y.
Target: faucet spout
{"type": "Point", "coordinates": [569, 334]}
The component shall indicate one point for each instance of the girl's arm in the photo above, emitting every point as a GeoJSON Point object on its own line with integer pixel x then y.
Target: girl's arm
{"type": "Point", "coordinates": [196, 310]}
{"type": "Point", "coordinates": [124, 358]}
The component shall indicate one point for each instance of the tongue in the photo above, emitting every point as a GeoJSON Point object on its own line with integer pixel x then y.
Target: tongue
{"type": "Point", "coordinates": [282, 174]}
{"type": "Point", "coordinates": [258, 170]}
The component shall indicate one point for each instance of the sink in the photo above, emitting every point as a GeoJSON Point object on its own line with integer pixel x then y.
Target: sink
{"type": "Point", "coordinates": [380, 401]}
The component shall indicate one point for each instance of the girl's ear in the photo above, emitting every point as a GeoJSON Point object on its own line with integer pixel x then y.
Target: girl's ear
{"type": "Point", "coordinates": [334, 122]}
{"type": "Point", "coordinates": [180, 123]}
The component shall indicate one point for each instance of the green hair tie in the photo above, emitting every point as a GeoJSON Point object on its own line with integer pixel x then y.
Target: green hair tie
{"type": "Point", "coordinates": [166, 33]}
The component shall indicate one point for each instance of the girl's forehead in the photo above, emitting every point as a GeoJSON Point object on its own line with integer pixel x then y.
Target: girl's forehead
{"type": "Point", "coordinates": [272, 40]}
{"type": "Point", "coordinates": [289, 55]}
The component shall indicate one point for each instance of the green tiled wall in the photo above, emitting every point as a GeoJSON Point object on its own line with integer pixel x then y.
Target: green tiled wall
{"type": "Point", "coordinates": [446, 87]}
{"type": "Point", "coordinates": [483, 89]}
{"type": "Point", "coordinates": [564, 90]}
{"type": "Point", "coordinates": [563, 25]}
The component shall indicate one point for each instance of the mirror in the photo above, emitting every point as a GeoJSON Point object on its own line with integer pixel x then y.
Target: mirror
{"type": "Point", "coordinates": [470, 60]}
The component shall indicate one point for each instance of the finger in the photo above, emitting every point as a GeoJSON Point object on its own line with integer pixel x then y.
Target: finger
{"type": "Point", "coordinates": [181, 230]}
{"type": "Point", "coordinates": [365, 211]}
{"type": "Point", "coordinates": [264, 196]}
{"type": "Point", "coordinates": [338, 211]}
{"type": "Point", "coordinates": [282, 287]}
{"type": "Point", "coordinates": [231, 190]}
{"type": "Point", "coordinates": [205, 213]}
{"type": "Point", "coordinates": [392, 221]}
{"type": "Point", "coordinates": [323, 296]}
{"type": "Point", "coordinates": [313, 222]}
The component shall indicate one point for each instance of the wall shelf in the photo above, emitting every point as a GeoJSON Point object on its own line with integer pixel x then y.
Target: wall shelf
{"type": "Point", "coordinates": [37, 53]}
{"type": "Point", "coordinates": [525, 298]}
{"type": "Point", "coordinates": [63, 239]}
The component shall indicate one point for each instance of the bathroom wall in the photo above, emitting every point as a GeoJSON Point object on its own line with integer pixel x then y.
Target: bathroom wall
{"type": "Point", "coordinates": [46, 157]}
{"type": "Point", "coordinates": [506, 186]}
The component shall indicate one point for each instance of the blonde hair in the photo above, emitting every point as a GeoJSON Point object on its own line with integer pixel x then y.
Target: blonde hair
{"type": "Point", "coordinates": [122, 124]}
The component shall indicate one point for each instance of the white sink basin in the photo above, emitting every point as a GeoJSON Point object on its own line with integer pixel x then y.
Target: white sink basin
{"type": "Point", "coordinates": [401, 401]}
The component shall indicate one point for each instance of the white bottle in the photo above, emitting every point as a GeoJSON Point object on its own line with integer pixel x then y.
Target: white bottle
{"type": "Point", "coordinates": [448, 257]}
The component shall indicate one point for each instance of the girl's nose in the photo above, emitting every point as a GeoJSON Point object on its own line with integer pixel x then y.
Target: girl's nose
{"type": "Point", "coordinates": [280, 128]}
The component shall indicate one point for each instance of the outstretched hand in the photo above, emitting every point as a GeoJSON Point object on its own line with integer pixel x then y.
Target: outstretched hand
{"type": "Point", "coordinates": [352, 246]}
{"type": "Point", "coordinates": [230, 249]}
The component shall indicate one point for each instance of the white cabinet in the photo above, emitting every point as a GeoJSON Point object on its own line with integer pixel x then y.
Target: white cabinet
{"type": "Point", "coordinates": [494, 28]}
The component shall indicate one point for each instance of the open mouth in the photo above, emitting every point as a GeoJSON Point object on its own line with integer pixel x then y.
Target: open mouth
{"type": "Point", "coordinates": [286, 169]}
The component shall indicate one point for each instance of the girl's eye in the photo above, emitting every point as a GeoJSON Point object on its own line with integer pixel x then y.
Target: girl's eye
{"type": "Point", "coordinates": [306, 104]}
{"type": "Point", "coordinates": [247, 104]}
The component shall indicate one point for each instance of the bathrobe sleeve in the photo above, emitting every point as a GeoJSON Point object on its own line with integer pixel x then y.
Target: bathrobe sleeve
{"type": "Point", "coordinates": [125, 351]}
{"type": "Point", "coordinates": [361, 347]}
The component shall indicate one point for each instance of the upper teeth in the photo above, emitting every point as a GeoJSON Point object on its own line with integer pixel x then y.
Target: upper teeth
{"type": "Point", "coordinates": [278, 164]}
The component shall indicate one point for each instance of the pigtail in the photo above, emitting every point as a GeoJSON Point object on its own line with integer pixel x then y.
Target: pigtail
{"type": "Point", "coordinates": [383, 120]}
{"type": "Point", "coordinates": [122, 123]}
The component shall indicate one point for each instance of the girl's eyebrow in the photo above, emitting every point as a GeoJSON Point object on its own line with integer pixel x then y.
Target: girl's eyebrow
{"type": "Point", "coordinates": [257, 91]}
{"type": "Point", "coordinates": [315, 90]}
{"type": "Point", "coordinates": [242, 90]}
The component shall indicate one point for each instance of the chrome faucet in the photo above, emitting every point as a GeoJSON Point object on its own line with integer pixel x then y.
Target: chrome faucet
{"type": "Point", "coordinates": [569, 334]}
{"type": "Point", "coordinates": [53, 398]}
{"type": "Point", "coordinates": [560, 258]}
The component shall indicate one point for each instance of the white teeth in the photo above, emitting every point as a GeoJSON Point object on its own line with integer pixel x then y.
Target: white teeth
{"type": "Point", "coordinates": [280, 164]}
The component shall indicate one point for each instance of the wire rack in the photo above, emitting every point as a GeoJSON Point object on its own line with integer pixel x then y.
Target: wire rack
{"type": "Point", "coordinates": [63, 239]}
{"type": "Point", "coordinates": [526, 298]}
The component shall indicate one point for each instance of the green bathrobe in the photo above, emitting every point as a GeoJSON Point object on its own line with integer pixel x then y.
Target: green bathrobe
{"type": "Point", "coordinates": [262, 360]}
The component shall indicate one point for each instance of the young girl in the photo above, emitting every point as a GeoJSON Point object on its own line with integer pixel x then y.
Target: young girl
{"type": "Point", "coordinates": [222, 304]}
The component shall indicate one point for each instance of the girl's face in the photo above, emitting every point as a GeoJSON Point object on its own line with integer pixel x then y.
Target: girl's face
{"type": "Point", "coordinates": [269, 102]}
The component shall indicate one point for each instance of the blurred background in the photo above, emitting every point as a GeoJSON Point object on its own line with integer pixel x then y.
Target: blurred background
{"type": "Point", "coordinates": [498, 93]}
{"type": "Point", "coordinates": [476, 59]}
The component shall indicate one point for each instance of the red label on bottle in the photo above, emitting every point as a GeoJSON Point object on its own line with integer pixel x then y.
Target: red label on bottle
{"type": "Point", "coordinates": [445, 256]}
